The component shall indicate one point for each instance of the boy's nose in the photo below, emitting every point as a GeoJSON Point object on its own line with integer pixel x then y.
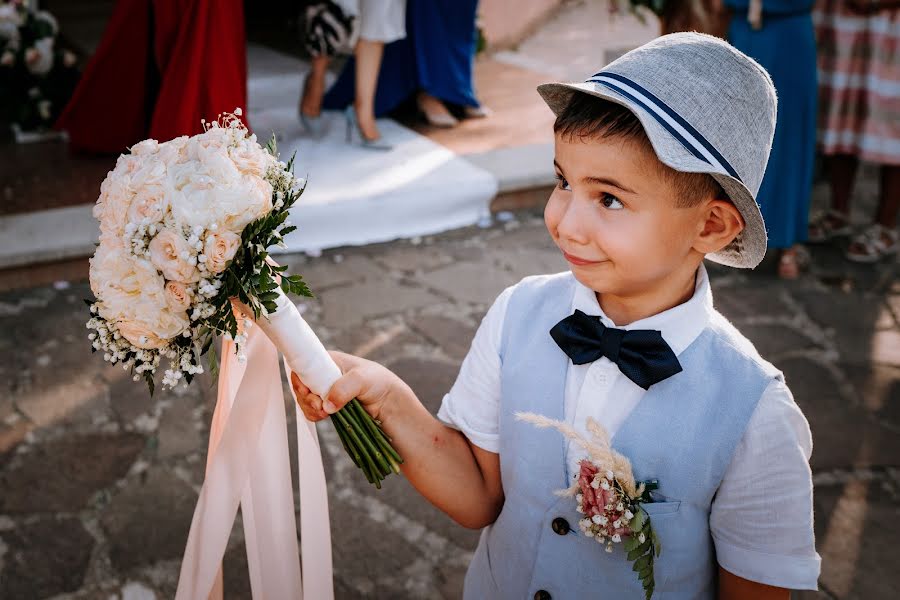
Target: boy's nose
{"type": "Point", "coordinates": [572, 223]}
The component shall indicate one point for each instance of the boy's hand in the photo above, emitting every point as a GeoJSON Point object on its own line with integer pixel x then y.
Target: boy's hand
{"type": "Point", "coordinates": [374, 385]}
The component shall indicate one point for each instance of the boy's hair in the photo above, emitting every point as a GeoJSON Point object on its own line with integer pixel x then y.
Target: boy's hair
{"type": "Point", "coordinates": [589, 117]}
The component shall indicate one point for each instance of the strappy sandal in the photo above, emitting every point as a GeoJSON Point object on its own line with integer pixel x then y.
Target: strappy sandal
{"type": "Point", "coordinates": [793, 261]}
{"type": "Point", "coordinates": [873, 244]}
{"type": "Point", "coordinates": [827, 226]}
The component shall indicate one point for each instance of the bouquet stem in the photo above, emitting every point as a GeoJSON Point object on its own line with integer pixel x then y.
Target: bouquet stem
{"type": "Point", "coordinates": [361, 435]}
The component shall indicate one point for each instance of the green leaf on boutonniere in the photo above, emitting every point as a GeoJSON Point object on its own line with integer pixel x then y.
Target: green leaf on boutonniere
{"type": "Point", "coordinates": [637, 523]}
{"type": "Point", "coordinates": [640, 563]}
{"type": "Point", "coordinates": [640, 550]}
{"type": "Point", "coordinates": [631, 542]}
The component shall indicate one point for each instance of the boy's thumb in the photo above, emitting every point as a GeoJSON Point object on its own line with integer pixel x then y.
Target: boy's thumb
{"type": "Point", "coordinates": [342, 391]}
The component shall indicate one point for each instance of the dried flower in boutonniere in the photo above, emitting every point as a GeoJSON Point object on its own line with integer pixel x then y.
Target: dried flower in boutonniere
{"type": "Point", "coordinates": [609, 498]}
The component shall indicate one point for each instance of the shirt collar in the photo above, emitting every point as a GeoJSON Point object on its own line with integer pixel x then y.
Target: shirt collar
{"type": "Point", "coordinates": [679, 325]}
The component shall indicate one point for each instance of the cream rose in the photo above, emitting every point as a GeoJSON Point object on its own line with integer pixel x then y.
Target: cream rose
{"type": "Point", "coordinates": [148, 203]}
{"type": "Point", "coordinates": [220, 247]}
{"type": "Point", "coordinates": [169, 252]}
{"type": "Point", "coordinates": [250, 159]}
{"type": "Point", "coordinates": [149, 328]}
{"type": "Point", "coordinates": [177, 296]}
{"type": "Point", "coordinates": [112, 205]}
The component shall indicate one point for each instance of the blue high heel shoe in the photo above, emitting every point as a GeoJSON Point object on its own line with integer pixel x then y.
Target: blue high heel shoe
{"type": "Point", "coordinates": [353, 125]}
{"type": "Point", "coordinates": [315, 126]}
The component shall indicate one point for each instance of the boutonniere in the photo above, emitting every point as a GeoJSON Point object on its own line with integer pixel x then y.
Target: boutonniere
{"type": "Point", "coordinates": [609, 498]}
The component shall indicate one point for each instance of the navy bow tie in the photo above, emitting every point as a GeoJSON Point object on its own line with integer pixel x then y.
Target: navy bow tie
{"type": "Point", "coordinates": [642, 355]}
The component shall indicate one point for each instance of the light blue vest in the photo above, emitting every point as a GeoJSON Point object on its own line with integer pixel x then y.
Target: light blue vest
{"type": "Point", "coordinates": [683, 432]}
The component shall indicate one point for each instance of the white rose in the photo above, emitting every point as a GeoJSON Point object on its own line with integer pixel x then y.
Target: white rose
{"type": "Point", "coordinates": [145, 147]}
{"type": "Point", "coordinates": [121, 280]}
{"type": "Point", "coordinates": [167, 251]}
{"type": "Point", "coordinates": [148, 203]}
{"type": "Point", "coordinates": [112, 206]}
{"type": "Point", "coordinates": [252, 200]}
{"type": "Point", "coordinates": [177, 296]}
{"type": "Point", "coordinates": [39, 58]}
{"type": "Point", "coordinates": [148, 171]}
{"type": "Point", "coordinates": [250, 159]}
{"type": "Point", "coordinates": [220, 248]}
{"type": "Point", "coordinates": [151, 328]}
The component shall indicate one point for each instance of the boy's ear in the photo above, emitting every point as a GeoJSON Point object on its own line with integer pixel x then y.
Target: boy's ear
{"type": "Point", "coordinates": [722, 222]}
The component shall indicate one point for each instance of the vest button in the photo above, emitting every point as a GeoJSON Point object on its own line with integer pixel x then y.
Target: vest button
{"type": "Point", "coordinates": [560, 526]}
{"type": "Point", "coordinates": [542, 595]}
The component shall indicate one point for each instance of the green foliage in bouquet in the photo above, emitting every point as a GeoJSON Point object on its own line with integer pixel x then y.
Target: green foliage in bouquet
{"type": "Point", "coordinates": [37, 76]}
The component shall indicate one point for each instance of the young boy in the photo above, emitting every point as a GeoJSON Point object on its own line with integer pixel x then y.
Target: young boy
{"type": "Point", "coordinates": [658, 157]}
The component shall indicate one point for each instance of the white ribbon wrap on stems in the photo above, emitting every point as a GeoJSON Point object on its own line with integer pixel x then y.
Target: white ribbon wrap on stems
{"type": "Point", "coordinates": [248, 465]}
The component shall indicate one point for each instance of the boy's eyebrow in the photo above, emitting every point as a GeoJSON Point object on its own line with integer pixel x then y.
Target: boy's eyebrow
{"type": "Point", "coordinates": [599, 180]}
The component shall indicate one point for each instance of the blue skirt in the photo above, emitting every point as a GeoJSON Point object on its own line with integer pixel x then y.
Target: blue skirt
{"type": "Point", "coordinates": [786, 48]}
{"type": "Point", "coordinates": [436, 56]}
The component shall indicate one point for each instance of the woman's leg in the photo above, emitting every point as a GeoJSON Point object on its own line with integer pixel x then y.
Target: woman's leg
{"type": "Point", "coordinates": [842, 173]}
{"type": "Point", "coordinates": [314, 87]}
{"type": "Point", "coordinates": [368, 63]}
{"type": "Point", "coordinates": [889, 204]}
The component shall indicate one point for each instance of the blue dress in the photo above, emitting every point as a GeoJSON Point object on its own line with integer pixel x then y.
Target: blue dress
{"type": "Point", "coordinates": [436, 56]}
{"type": "Point", "coordinates": [786, 48]}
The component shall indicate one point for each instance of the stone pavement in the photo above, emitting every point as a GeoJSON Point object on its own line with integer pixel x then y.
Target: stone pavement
{"type": "Point", "coordinates": [98, 481]}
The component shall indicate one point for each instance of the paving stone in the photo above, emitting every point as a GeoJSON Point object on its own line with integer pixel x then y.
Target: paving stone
{"type": "Point", "coordinates": [878, 388]}
{"type": "Point", "coordinates": [528, 236]}
{"type": "Point", "coordinates": [348, 306]}
{"type": "Point", "coordinates": [738, 302]}
{"type": "Point", "coordinates": [235, 573]}
{"type": "Point", "coordinates": [477, 283]}
{"type": "Point", "coordinates": [379, 344]}
{"type": "Point", "coordinates": [844, 435]}
{"type": "Point", "coordinates": [856, 320]}
{"type": "Point", "coordinates": [414, 258]}
{"type": "Point", "coordinates": [774, 340]}
{"type": "Point", "coordinates": [523, 262]}
{"type": "Point", "coordinates": [148, 520]}
{"type": "Point", "coordinates": [452, 335]}
{"type": "Point", "coordinates": [366, 553]}
{"type": "Point", "coordinates": [44, 558]}
{"type": "Point", "coordinates": [178, 434]}
{"type": "Point", "coordinates": [855, 523]}
{"type": "Point", "coordinates": [66, 399]}
{"type": "Point", "coordinates": [12, 434]}
{"type": "Point", "coordinates": [61, 475]}
{"type": "Point", "coordinates": [128, 399]}
{"type": "Point", "coordinates": [430, 379]}
{"type": "Point", "coordinates": [324, 273]}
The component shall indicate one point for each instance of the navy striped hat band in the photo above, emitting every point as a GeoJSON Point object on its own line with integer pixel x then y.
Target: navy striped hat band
{"type": "Point", "coordinates": [692, 140]}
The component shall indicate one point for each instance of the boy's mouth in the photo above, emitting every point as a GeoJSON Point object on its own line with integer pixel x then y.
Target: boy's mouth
{"type": "Point", "coordinates": [581, 262]}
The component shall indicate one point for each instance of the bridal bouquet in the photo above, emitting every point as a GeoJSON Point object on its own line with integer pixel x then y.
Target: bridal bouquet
{"type": "Point", "coordinates": [185, 228]}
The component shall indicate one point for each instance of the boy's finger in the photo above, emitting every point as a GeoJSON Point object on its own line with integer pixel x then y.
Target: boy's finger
{"type": "Point", "coordinates": [343, 391]}
{"type": "Point", "coordinates": [299, 387]}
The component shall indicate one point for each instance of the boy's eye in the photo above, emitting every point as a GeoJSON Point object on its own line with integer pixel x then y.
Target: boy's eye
{"type": "Point", "coordinates": [611, 202]}
{"type": "Point", "coordinates": [562, 183]}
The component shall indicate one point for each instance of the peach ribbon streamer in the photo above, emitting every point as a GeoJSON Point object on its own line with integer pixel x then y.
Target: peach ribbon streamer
{"type": "Point", "coordinates": [248, 465]}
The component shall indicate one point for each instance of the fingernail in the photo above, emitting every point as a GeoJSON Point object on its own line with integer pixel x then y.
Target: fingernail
{"type": "Point", "coordinates": [329, 407]}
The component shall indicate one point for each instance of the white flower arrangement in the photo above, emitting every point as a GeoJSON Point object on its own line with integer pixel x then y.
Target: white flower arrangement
{"type": "Point", "coordinates": [185, 228]}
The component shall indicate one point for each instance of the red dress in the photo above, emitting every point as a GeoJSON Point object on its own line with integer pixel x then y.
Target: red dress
{"type": "Point", "coordinates": [161, 66]}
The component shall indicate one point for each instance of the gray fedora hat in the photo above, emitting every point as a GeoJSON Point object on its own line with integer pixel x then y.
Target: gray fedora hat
{"type": "Point", "coordinates": [707, 108]}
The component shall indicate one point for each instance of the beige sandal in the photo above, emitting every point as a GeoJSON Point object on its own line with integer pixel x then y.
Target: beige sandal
{"type": "Point", "coordinates": [792, 262]}
{"type": "Point", "coordinates": [873, 244]}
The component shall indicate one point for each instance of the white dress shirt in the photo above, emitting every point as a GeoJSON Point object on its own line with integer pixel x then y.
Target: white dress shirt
{"type": "Point", "coordinates": [761, 519]}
